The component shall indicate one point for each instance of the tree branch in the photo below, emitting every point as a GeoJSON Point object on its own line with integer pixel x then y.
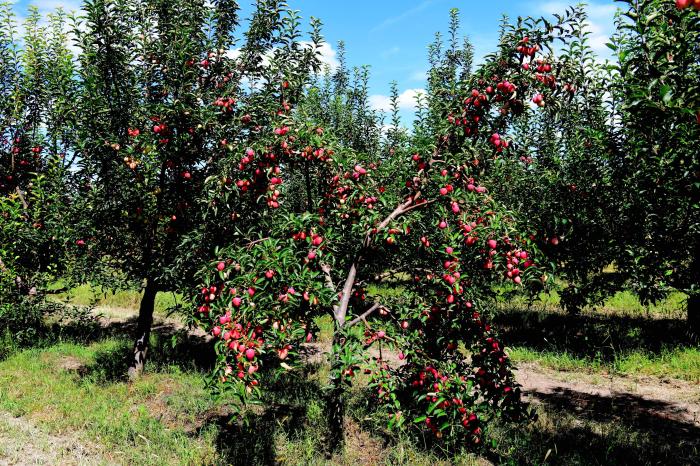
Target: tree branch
{"type": "Point", "coordinates": [253, 243]}
{"type": "Point", "coordinates": [364, 315]}
{"type": "Point", "coordinates": [341, 310]}
{"type": "Point", "coordinates": [329, 279]}
{"type": "Point", "coordinates": [21, 198]}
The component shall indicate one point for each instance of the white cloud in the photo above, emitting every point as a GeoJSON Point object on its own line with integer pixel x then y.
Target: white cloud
{"type": "Point", "coordinates": [233, 53]}
{"type": "Point", "coordinates": [407, 100]}
{"type": "Point", "coordinates": [46, 6]}
{"type": "Point", "coordinates": [329, 56]}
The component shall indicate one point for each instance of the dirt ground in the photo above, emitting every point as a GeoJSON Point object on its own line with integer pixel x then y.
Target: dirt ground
{"type": "Point", "coordinates": [22, 443]}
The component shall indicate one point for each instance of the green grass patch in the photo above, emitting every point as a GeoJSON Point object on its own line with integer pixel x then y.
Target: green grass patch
{"type": "Point", "coordinates": [69, 387]}
{"type": "Point", "coordinates": [676, 363]}
{"type": "Point", "coordinates": [86, 295]}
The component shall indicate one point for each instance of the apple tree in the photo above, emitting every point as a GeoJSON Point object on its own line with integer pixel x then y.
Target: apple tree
{"type": "Point", "coordinates": [169, 91]}
{"type": "Point", "coordinates": [656, 122]}
{"type": "Point", "coordinates": [36, 134]}
{"type": "Point", "coordinates": [562, 174]}
{"type": "Point", "coordinates": [333, 221]}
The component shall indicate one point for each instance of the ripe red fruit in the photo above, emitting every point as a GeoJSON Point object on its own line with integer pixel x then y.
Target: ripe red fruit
{"type": "Point", "coordinates": [492, 243]}
{"type": "Point", "coordinates": [80, 242]}
{"type": "Point", "coordinates": [216, 331]}
{"type": "Point", "coordinates": [221, 266]}
{"type": "Point", "coordinates": [250, 354]}
{"type": "Point", "coordinates": [236, 301]}
{"type": "Point", "coordinates": [683, 4]}
{"type": "Point", "coordinates": [442, 225]}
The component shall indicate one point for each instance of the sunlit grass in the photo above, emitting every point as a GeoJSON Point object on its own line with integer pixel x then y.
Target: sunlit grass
{"type": "Point", "coordinates": [114, 301]}
{"type": "Point", "coordinates": [125, 418]}
{"type": "Point", "coordinates": [676, 363]}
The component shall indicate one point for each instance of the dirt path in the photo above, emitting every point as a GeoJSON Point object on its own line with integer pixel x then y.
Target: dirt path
{"type": "Point", "coordinates": [639, 398]}
{"type": "Point", "coordinates": [22, 443]}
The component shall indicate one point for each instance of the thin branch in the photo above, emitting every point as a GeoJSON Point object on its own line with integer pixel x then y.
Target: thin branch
{"type": "Point", "coordinates": [364, 315]}
{"type": "Point", "coordinates": [329, 279]}
{"type": "Point", "coordinates": [253, 243]}
{"type": "Point", "coordinates": [416, 206]}
{"type": "Point", "coordinates": [21, 198]}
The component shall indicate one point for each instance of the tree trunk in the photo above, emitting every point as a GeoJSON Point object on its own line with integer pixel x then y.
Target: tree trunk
{"type": "Point", "coordinates": [694, 314]}
{"type": "Point", "coordinates": [335, 401]}
{"type": "Point", "coordinates": [143, 331]}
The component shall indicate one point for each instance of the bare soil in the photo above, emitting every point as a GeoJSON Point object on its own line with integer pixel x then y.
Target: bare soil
{"type": "Point", "coordinates": [22, 443]}
{"type": "Point", "coordinates": [643, 398]}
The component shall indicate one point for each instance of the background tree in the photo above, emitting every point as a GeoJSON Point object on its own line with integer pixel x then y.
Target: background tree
{"type": "Point", "coordinates": [562, 179]}
{"type": "Point", "coordinates": [656, 122]}
{"type": "Point", "coordinates": [162, 102]}
{"type": "Point", "coordinates": [36, 135]}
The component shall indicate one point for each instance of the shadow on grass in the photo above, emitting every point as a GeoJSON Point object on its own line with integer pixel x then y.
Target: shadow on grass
{"type": "Point", "coordinates": [590, 336]}
{"type": "Point", "coordinates": [289, 408]}
{"type": "Point", "coordinates": [169, 347]}
{"type": "Point", "coordinates": [581, 428]}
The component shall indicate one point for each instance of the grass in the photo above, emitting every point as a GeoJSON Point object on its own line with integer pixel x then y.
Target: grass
{"type": "Point", "coordinates": [169, 417]}
{"type": "Point", "coordinates": [622, 303]}
{"type": "Point", "coordinates": [671, 363]}
{"type": "Point", "coordinates": [121, 417]}
{"type": "Point", "coordinates": [112, 301]}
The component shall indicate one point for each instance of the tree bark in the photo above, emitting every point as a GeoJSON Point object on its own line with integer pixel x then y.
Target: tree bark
{"type": "Point", "coordinates": [143, 331]}
{"type": "Point", "coordinates": [335, 400]}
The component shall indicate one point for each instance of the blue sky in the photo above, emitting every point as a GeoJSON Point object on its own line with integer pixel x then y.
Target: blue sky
{"type": "Point", "coordinates": [392, 35]}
